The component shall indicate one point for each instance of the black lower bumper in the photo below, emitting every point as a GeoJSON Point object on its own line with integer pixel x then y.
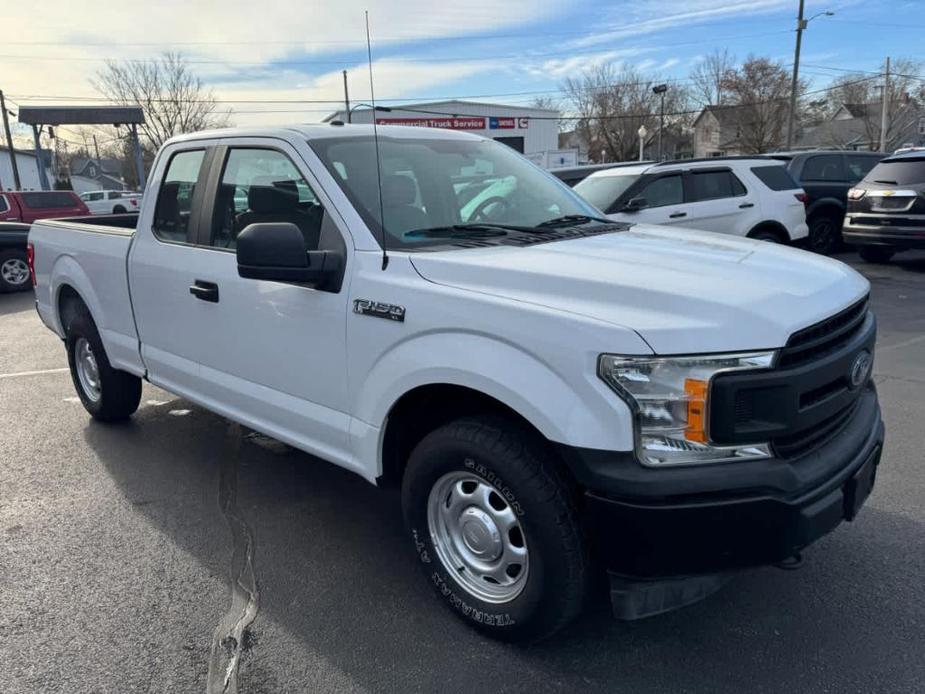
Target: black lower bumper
{"type": "Point", "coordinates": [898, 237]}
{"type": "Point", "coordinates": [731, 516]}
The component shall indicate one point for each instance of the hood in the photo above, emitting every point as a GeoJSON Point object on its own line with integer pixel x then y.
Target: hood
{"type": "Point", "coordinates": [683, 291]}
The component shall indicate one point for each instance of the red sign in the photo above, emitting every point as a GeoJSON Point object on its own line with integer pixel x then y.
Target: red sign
{"type": "Point", "coordinates": [450, 123]}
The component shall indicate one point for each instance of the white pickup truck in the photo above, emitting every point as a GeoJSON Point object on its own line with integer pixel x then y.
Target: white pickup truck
{"type": "Point", "coordinates": [557, 395]}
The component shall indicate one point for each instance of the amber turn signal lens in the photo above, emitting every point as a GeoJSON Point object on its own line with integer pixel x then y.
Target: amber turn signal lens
{"type": "Point", "coordinates": [696, 391]}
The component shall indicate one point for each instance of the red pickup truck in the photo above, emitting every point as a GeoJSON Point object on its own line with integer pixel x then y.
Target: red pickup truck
{"type": "Point", "coordinates": [18, 206]}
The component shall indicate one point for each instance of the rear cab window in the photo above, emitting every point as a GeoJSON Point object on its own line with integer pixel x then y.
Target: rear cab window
{"type": "Point", "coordinates": [825, 167]}
{"type": "Point", "coordinates": [175, 198]}
{"type": "Point", "coordinates": [4, 205]}
{"type": "Point", "coordinates": [49, 200]}
{"type": "Point", "coordinates": [775, 177]}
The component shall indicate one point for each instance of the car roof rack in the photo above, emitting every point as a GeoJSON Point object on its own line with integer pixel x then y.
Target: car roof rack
{"type": "Point", "coordinates": [742, 157]}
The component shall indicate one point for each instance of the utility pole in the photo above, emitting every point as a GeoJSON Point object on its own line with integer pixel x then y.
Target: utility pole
{"type": "Point", "coordinates": [139, 166]}
{"type": "Point", "coordinates": [347, 99]}
{"type": "Point", "coordinates": [9, 141]}
{"type": "Point", "coordinates": [40, 164]}
{"type": "Point", "coordinates": [885, 109]}
{"type": "Point", "coordinates": [801, 25]}
{"type": "Point", "coordinates": [96, 148]}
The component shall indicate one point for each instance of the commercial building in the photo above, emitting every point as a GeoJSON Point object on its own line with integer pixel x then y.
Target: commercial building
{"type": "Point", "coordinates": [534, 132]}
{"type": "Point", "coordinates": [27, 163]}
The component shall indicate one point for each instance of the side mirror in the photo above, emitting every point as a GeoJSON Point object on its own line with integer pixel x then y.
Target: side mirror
{"type": "Point", "coordinates": [635, 205]}
{"type": "Point", "coordinates": [276, 251]}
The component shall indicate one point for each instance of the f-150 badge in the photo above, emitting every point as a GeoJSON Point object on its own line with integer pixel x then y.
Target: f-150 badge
{"type": "Point", "coordinates": [379, 309]}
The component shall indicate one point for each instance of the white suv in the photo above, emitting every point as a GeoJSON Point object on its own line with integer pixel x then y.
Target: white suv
{"type": "Point", "coordinates": [751, 197]}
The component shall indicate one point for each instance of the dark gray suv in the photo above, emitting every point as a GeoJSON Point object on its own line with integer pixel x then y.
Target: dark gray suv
{"type": "Point", "coordinates": [886, 211]}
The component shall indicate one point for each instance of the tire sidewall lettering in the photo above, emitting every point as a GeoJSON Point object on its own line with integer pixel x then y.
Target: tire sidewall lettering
{"type": "Point", "coordinates": [496, 481]}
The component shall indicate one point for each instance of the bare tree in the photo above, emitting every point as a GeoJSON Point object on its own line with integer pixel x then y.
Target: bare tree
{"type": "Point", "coordinates": [612, 104]}
{"type": "Point", "coordinates": [760, 89]}
{"type": "Point", "coordinates": [174, 100]}
{"type": "Point", "coordinates": [862, 95]}
{"type": "Point", "coordinates": [708, 78]}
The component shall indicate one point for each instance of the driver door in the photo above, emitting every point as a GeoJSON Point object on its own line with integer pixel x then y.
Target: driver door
{"type": "Point", "coordinates": [664, 202]}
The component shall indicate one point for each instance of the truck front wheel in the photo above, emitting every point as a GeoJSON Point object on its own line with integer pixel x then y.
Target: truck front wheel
{"type": "Point", "coordinates": [106, 393]}
{"type": "Point", "coordinates": [494, 524]}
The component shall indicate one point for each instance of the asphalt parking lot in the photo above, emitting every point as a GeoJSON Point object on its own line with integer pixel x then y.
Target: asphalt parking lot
{"type": "Point", "coordinates": [124, 548]}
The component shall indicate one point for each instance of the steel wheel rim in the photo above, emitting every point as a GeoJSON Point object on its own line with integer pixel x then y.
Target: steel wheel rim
{"type": "Point", "coordinates": [478, 537]}
{"type": "Point", "coordinates": [14, 271]}
{"type": "Point", "coordinates": [88, 371]}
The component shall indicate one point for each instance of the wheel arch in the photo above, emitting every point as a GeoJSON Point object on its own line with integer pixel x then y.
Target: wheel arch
{"type": "Point", "coordinates": [832, 206]}
{"type": "Point", "coordinates": [776, 228]}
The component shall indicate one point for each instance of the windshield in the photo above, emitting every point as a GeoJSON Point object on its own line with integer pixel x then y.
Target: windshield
{"type": "Point", "coordinates": [434, 183]}
{"type": "Point", "coordinates": [603, 191]}
{"type": "Point", "coordinates": [900, 172]}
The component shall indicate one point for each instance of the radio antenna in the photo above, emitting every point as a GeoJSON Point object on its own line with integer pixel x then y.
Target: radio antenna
{"type": "Point", "coordinates": [372, 98]}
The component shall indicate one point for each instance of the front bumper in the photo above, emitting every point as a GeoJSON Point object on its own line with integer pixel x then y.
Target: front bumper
{"type": "Point", "coordinates": [656, 524]}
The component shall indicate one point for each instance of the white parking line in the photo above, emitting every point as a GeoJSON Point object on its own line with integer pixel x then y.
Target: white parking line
{"type": "Point", "coordinates": [34, 373]}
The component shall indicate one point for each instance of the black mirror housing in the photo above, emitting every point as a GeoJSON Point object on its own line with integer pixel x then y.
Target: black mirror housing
{"type": "Point", "coordinates": [276, 251]}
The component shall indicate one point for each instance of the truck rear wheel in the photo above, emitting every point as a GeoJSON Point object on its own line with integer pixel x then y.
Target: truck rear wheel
{"type": "Point", "coordinates": [494, 523]}
{"type": "Point", "coordinates": [106, 393]}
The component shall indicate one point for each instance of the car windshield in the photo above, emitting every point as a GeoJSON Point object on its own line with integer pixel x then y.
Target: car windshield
{"type": "Point", "coordinates": [603, 191]}
{"type": "Point", "coordinates": [444, 185]}
{"type": "Point", "coordinates": [901, 172]}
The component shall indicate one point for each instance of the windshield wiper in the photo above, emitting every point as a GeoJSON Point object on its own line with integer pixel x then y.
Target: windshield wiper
{"type": "Point", "coordinates": [471, 231]}
{"type": "Point", "coordinates": [571, 219]}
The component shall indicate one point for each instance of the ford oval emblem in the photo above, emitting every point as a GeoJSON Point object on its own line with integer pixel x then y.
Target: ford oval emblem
{"type": "Point", "coordinates": [860, 370]}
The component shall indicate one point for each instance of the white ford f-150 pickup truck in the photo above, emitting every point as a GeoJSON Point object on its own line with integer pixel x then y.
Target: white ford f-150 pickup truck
{"type": "Point", "coordinates": [556, 394]}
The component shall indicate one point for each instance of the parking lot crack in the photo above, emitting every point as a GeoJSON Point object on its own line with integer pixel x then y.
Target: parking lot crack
{"type": "Point", "coordinates": [228, 641]}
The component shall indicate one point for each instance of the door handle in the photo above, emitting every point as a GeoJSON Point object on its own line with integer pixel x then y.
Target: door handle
{"type": "Point", "coordinates": [676, 215]}
{"type": "Point", "coordinates": [744, 205]}
{"type": "Point", "coordinates": [206, 291]}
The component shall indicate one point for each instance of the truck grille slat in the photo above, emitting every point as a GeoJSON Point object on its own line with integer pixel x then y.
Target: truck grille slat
{"type": "Point", "coordinates": [827, 335]}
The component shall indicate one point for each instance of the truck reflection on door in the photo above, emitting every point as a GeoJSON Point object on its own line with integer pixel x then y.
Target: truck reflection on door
{"type": "Point", "coordinates": [516, 143]}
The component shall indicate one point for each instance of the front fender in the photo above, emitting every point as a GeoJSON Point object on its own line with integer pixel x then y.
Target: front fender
{"type": "Point", "coordinates": [567, 403]}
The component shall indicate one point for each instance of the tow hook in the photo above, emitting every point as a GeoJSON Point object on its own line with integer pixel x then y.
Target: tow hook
{"type": "Point", "coordinates": [791, 563]}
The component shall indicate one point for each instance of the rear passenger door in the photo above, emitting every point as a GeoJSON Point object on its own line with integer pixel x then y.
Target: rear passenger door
{"type": "Point", "coordinates": [164, 263]}
{"type": "Point", "coordinates": [273, 353]}
{"type": "Point", "coordinates": [717, 200]}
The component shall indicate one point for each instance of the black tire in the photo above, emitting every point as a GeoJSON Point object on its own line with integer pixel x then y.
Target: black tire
{"type": "Point", "coordinates": [118, 209]}
{"type": "Point", "coordinates": [876, 254]}
{"type": "Point", "coordinates": [765, 235]}
{"type": "Point", "coordinates": [14, 271]}
{"type": "Point", "coordinates": [824, 235]}
{"type": "Point", "coordinates": [512, 461]}
{"type": "Point", "coordinates": [119, 392]}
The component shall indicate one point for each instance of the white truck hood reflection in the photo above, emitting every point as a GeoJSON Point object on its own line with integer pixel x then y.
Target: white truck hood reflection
{"type": "Point", "coordinates": [683, 291]}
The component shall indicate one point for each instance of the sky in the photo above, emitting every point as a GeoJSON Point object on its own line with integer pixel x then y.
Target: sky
{"type": "Point", "coordinates": [252, 53]}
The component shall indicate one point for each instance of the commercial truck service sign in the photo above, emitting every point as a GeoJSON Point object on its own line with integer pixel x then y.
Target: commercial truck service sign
{"type": "Point", "coordinates": [464, 123]}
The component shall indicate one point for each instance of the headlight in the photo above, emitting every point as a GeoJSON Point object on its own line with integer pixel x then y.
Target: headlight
{"type": "Point", "coordinates": [670, 397]}
{"type": "Point", "coordinates": [856, 193]}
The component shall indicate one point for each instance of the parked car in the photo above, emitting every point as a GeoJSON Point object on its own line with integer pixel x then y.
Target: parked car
{"type": "Point", "coordinates": [750, 197]}
{"type": "Point", "coordinates": [14, 261]}
{"type": "Point", "coordinates": [28, 206]}
{"type": "Point", "coordinates": [111, 201]}
{"type": "Point", "coordinates": [555, 394]}
{"type": "Point", "coordinates": [825, 177]}
{"type": "Point", "coordinates": [572, 175]}
{"type": "Point", "coordinates": [886, 211]}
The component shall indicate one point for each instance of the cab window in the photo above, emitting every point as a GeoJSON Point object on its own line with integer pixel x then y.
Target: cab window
{"type": "Point", "coordinates": [666, 190]}
{"type": "Point", "coordinates": [175, 197]}
{"type": "Point", "coordinates": [263, 185]}
{"type": "Point", "coordinates": [715, 185]}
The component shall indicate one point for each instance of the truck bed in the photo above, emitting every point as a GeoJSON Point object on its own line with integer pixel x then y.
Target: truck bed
{"type": "Point", "coordinates": [90, 255]}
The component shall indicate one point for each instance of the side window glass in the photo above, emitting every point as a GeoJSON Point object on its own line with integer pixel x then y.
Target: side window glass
{"type": "Point", "coordinates": [263, 185]}
{"type": "Point", "coordinates": [3, 206]}
{"type": "Point", "coordinates": [174, 199]}
{"type": "Point", "coordinates": [859, 166]}
{"type": "Point", "coordinates": [712, 185]}
{"type": "Point", "coordinates": [666, 190]}
{"type": "Point", "coordinates": [738, 188]}
{"type": "Point", "coordinates": [825, 167]}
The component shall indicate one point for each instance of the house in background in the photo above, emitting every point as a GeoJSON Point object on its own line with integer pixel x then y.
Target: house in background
{"type": "Point", "coordinates": [857, 127]}
{"type": "Point", "coordinates": [96, 174]}
{"type": "Point", "coordinates": [28, 169]}
{"type": "Point", "coordinates": [717, 130]}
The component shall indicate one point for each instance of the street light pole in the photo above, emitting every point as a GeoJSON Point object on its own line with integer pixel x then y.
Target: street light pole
{"type": "Point", "coordinates": [801, 25]}
{"type": "Point", "coordinates": [347, 98]}
{"type": "Point", "coordinates": [661, 89]}
{"type": "Point", "coordinates": [642, 132]}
